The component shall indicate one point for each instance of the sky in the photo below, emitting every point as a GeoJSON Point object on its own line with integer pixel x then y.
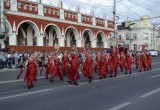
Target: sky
{"type": "Point", "coordinates": [126, 9]}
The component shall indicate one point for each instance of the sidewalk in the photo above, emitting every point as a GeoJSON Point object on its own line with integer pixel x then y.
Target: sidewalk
{"type": "Point", "coordinates": [7, 69]}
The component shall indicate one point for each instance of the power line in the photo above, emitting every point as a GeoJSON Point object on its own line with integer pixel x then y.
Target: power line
{"type": "Point", "coordinates": [154, 1]}
{"type": "Point", "coordinates": [143, 6]}
{"type": "Point", "coordinates": [130, 9]}
{"type": "Point", "coordinates": [143, 19]}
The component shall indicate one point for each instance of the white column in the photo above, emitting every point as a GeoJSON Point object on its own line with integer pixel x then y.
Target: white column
{"type": "Point", "coordinates": [40, 41]}
{"type": "Point", "coordinates": [40, 10]}
{"type": "Point", "coordinates": [94, 43]}
{"type": "Point", "coordinates": [105, 44]}
{"type": "Point", "coordinates": [94, 21]}
{"type": "Point", "coordinates": [79, 42]}
{"type": "Point", "coordinates": [13, 5]}
{"type": "Point", "coordinates": [79, 17]}
{"type": "Point", "coordinates": [61, 42]}
{"type": "Point", "coordinates": [2, 44]}
{"type": "Point", "coordinates": [106, 23]}
{"type": "Point", "coordinates": [61, 13]}
{"type": "Point", "coordinates": [12, 39]}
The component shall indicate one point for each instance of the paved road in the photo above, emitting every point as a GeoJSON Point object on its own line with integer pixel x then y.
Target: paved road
{"type": "Point", "coordinates": [139, 91]}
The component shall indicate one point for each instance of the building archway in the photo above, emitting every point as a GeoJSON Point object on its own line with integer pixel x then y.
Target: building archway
{"type": "Point", "coordinates": [27, 33]}
{"type": "Point", "coordinates": [51, 36]}
{"type": "Point", "coordinates": [87, 38]}
{"type": "Point", "coordinates": [100, 39]}
{"type": "Point", "coordinates": [71, 37]}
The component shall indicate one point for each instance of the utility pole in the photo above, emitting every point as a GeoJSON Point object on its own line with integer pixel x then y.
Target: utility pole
{"type": "Point", "coordinates": [114, 17]}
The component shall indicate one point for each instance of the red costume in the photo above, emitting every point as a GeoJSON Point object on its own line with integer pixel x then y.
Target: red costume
{"type": "Point", "coordinates": [56, 69]}
{"type": "Point", "coordinates": [113, 63]}
{"type": "Point", "coordinates": [96, 65]}
{"type": "Point", "coordinates": [65, 64]}
{"type": "Point", "coordinates": [149, 61]}
{"type": "Point", "coordinates": [88, 67]}
{"type": "Point", "coordinates": [49, 66]}
{"type": "Point", "coordinates": [73, 69]}
{"type": "Point", "coordinates": [143, 63]}
{"type": "Point", "coordinates": [30, 72]}
{"type": "Point", "coordinates": [137, 60]}
{"type": "Point", "coordinates": [122, 61]}
{"type": "Point", "coordinates": [102, 67]}
{"type": "Point", "coordinates": [128, 63]}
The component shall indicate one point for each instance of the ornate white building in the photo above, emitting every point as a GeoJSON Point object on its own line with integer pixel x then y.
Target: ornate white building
{"type": "Point", "coordinates": [142, 33]}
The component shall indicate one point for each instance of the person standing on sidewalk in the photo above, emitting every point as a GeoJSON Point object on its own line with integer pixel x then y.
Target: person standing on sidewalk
{"type": "Point", "coordinates": [4, 60]}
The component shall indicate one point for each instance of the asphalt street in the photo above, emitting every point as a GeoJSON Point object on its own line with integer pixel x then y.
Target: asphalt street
{"type": "Point", "coordinates": [138, 91]}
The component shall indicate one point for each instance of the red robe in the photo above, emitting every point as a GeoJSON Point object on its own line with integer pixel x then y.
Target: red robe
{"type": "Point", "coordinates": [49, 66]}
{"type": "Point", "coordinates": [30, 72]}
{"type": "Point", "coordinates": [113, 63]}
{"type": "Point", "coordinates": [88, 67]}
{"type": "Point", "coordinates": [128, 63]}
{"type": "Point", "coordinates": [137, 60]}
{"type": "Point", "coordinates": [65, 64]}
{"type": "Point", "coordinates": [122, 61]}
{"type": "Point", "coordinates": [73, 73]}
{"type": "Point", "coordinates": [143, 63]}
{"type": "Point", "coordinates": [149, 61]}
{"type": "Point", "coordinates": [56, 69]}
{"type": "Point", "coordinates": [102, 67]}
{"type": "Point", "coordinates": [96, 65]}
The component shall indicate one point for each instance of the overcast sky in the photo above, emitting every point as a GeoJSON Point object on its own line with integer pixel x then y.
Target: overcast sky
{"type": "Point", "coordinates": [126, 9]}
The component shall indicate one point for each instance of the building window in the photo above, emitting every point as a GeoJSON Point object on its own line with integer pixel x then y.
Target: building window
{"type": "Point", "coordinates": [127, 37]}
{"type": "Point", "coordinates": [134, 37]}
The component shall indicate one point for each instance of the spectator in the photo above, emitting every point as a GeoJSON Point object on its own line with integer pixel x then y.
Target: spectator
{"type": "Point", "coordinates": [16, 57]}
{"type": "Point", "coordinates": [4, 60]}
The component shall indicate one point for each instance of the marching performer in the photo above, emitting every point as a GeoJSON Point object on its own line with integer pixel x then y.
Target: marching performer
{"type": "Point", "coordinates": [73, 73]}
{"type": "Point", "coordinates": [88, 67]}
{"type": "Point", "coordinates": [56, 69]}
{"type": "Point", "coordinates": [103, 66]}
{"type": "Point", "coordinates": [30, 71]}
{"type": "Point", "coordinates": [128, 63]}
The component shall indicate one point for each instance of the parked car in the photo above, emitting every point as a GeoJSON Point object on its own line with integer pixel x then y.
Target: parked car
{"type": "Point", "coordinates": [153, 53]}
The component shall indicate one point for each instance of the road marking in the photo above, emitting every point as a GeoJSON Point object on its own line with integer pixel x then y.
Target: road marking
{"type": "Point", "coordinates": [10, 81]}
{"type": "Point", "coordinates": [155, 76]}
{"type": "Point", "coordinates": [120, 106]}
{"type": "Point", "coordinates": [150, 93]}
{"type": "Point", "coordinates": [29, 93]}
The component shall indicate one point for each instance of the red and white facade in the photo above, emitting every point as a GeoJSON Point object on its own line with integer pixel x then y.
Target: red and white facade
{"type": "Point", "coordinates": [37, 24]}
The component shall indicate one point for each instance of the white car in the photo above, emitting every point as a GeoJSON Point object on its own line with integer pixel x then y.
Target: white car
{"type": "Point", "coordinates": [153, 53]}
